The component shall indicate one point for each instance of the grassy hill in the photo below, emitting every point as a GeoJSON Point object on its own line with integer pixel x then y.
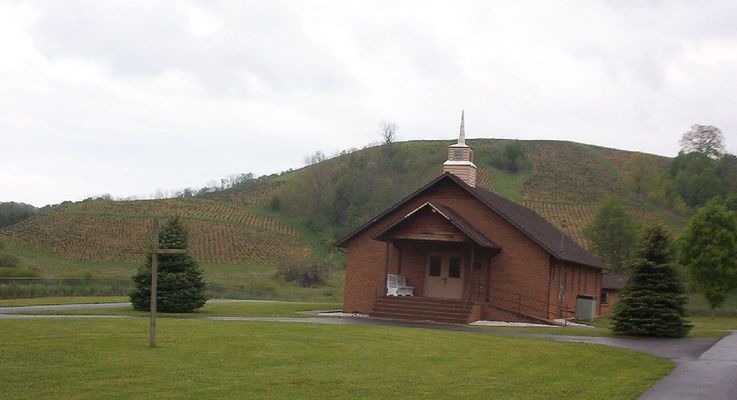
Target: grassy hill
{"type": "Point", "coordinates": [301, 211]}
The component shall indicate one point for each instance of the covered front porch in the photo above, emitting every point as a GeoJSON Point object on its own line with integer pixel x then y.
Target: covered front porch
{"type": "Point", "coordinates": [440, 270]}
{"type": "Point", "coordinates": [441, 258]}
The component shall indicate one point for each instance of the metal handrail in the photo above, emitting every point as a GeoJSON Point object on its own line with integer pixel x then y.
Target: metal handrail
{"type": "Point", "coordinates": [517, 302]}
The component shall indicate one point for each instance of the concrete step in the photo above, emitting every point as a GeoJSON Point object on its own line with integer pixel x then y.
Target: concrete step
{"type": "Point", "coordinates": [414, 304]}
{"type": "Point", "coordinates": [424, 300]}
{"type": "Point", "coordinates": [420, 317]}
{"type": "Point", "coordinates": [427, 313]}
{"type": "Point", "coordinates": [422, 308]}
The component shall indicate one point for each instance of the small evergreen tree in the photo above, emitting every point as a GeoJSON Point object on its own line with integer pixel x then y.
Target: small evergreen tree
{"type": "Point", "coordinates": [180, 287]}
{"type": "Point", "coordinates": [613, 234]}
{"type": "Point", "coordinates": [514, 155]}
{"type": "Point", "coordinates": [709, 251]}
{"type": "Point", "coordinates": [652, 303]}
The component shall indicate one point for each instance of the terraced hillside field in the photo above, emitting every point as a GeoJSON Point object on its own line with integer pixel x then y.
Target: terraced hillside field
{"type": "Point", "coordinates": [578, 216]}
{"type": "Point", "coordinates": [112, 230]}
{"type": "Point", "coordinates": [255, 195]}
{"type": "Point", "coordinates": [559, 179]}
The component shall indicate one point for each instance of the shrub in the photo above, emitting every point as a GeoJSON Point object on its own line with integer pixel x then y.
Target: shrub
{"type": "Point", "coordinates": [306, 272]}
{"type": "Point", "coordinates": [7, 260]}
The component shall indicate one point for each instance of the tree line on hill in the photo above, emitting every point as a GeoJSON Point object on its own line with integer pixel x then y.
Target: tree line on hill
{"type": "Point", "coordinates": [335, 196]}
{"type": "Point", "coordinates": [702, 171]}
{"type": "Point", "coordinates": [704, 178]}
{"type": "Point", "coordinates": [12, 213]}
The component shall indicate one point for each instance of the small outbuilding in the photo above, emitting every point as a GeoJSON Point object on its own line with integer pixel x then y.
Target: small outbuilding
{"type": "Point", "coordinates": [611, 285]}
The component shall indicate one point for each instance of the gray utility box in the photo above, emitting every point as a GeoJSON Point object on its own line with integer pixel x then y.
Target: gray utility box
{"type": "Point", "coordinates": [585, 307]}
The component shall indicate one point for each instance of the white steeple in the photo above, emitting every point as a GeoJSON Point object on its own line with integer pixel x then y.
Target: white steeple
{"type": "Point", "coordinates": [460, 158]}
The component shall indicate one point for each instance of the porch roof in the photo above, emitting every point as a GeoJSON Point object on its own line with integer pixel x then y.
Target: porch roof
{"type": "Point", "coordinates": [450, 216]}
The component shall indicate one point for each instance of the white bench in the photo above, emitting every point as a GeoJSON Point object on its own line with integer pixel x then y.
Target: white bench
{"type": "Point", "coordinates": [396, 285]}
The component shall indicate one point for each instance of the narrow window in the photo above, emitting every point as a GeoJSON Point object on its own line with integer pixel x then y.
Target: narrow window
{"type": "Point", "coordinates": [436, 264]}
{"type": "Point", "coordinates": [454, 267]}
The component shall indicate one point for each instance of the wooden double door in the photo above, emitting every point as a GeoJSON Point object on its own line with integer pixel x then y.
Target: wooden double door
{"type": "Point", "coordinates": [444, 276]}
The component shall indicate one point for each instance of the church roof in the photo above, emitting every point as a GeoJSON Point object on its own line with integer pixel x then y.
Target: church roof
{"type": "Point", "coordinates": [527, 221]}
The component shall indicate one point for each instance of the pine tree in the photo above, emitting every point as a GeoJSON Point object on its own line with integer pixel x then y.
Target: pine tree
{"type": "Point", "coordinates": [181, 287]}
{"type": "Point", "coordinates": [652, 303]}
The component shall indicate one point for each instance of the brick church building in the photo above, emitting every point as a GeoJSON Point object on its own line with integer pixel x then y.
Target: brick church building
{"type": "Point", "coordinates": [458, 253]}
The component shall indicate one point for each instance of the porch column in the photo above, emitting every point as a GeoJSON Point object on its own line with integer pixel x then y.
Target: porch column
{"type": "Point", "coordinates": [386, 268]}
{"type": "Point", "coordinates": [400, 260]}
{"type": "Point", "coordinates": [488, 278]}
{"type": "Point", "coordinates": [470, 275]}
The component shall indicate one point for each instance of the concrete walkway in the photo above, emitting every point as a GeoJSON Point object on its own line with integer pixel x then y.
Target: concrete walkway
{"type": "Point", "coordinates": [712, 375]}
{"type": "Point", "coordinates": [706, 367]}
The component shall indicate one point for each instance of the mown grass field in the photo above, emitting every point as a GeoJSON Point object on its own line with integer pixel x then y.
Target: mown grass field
{"type": "Point", "coordinates": [110, 359]}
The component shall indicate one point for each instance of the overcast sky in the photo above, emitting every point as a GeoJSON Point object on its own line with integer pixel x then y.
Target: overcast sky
{"type": "Point", "coordinates": [125, 97]}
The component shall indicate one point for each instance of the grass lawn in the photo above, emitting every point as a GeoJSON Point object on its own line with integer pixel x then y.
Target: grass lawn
{"type": "Point", "coordinates": [697, 305]}
{"type": "Point", "coordinates": [227, 309]}
{"type": "Point", "coordinates": [705, 324]}
{"type": "Point", "coordinates": [72, 359]}
{"type": "Point", "coordinates": [703, 327]}
{"type": "Point", "coordinates": [41, 263]}
{"type": "Point", "coordinates": [44, 301]}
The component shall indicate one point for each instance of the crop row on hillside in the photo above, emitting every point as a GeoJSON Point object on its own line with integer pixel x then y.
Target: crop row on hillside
{"type": "Point", "coordinates": [579, 216]}
{"type": "Point", "coordinates": [105, 237]}
{"type": "Point", "coordinates": [570, 173]}
{"type": "Point", "coordinates": [625, 161]}
{"type": "Point", "coordinates": [250, 196]}
{"type": "Point", "coordinates": [483, 179]}
{"type": "Point", "coordinates": [186, 208]}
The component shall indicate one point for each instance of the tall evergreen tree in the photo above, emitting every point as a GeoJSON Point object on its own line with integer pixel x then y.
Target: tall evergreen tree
{"type": "Point", "coordinates": [652, 303]}
{"type": "Point", "coordinates": [181, 287]}
{"type": "Point", "coordinates": [613, 234]}
{"type": "Point", "coordinates": [709, 251]}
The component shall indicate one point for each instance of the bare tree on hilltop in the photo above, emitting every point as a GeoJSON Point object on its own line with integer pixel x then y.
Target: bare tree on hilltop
{"type": "Point", "coordinates": [388, 132]}
{"type": "Point", "coordinates": [314, 158]}
{"type": "Point", "coordinates": [704, 139]}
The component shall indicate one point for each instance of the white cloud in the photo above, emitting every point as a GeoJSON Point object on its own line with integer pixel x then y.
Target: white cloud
{"type": "Point", "coordinates": [130, 96]}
